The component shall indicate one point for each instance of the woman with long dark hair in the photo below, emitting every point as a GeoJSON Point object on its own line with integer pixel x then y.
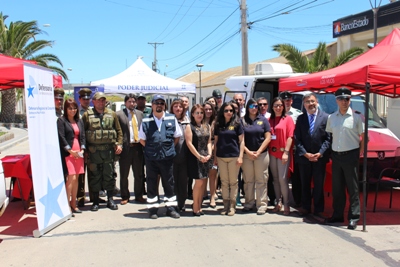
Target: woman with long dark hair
{"type": "Point", "coordinates": [71, 135]}
{"type": "Point", "coordinates": [209, 118]}
{"type": "Point", "coordinates": [180, 160]}
{"type": "Point", "coordinates": [228, 152]}
{"type": "Point", "coordinates": [280, 151]}
{"type": "Point", "coordinates": [257, 136]}
{"type": "Point", "coordinates": [198, 140]}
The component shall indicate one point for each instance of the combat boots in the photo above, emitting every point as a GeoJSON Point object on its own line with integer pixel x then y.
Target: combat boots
{"type": "Point", "coordinates": [95, 206]}
{"type": "Point", "coordinates": [110, 202]}
{"type": "Point", "coordinates": [226, 207]}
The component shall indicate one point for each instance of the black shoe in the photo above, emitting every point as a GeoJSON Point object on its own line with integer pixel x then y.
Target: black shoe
{"type": "Point", "coordinates": [94, 207]}
{"type": "Point", "coordinates": [201, 212]}
{"type": "Point", "coordinates": [246, 209]}
{"type": "Point", "coordinates": [334, 220]}
{"type": "Point", "coordinates": [196, 214]}
{"type": "Point", "coordinates": [76, 210]}
{"type": "Point", "coordinates": [173, 214]}
{"type": "Point", "coordinates": [352, 224]}
{"type": "Point", "coordinates": [111, 205]}
{"type": "Point", "coordinates": [303, 212]}
{"type": "Point", "coordinates": [81, 203]}
{"type": "Point", "coordinates": [153, 216]}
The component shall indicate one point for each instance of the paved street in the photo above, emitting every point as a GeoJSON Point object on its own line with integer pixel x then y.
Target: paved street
{"type": "Point", "coordinates": [126, 237]}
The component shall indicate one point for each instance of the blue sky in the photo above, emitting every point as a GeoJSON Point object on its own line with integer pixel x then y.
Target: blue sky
{"type": "Point", "coordinates": [98, 39]}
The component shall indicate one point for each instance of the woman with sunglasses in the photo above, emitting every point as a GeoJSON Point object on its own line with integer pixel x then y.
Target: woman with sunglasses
{"type": "Point", "coordinates": [209, 110]}
{"type": "Point", "coordinates": [71, 135]}
{"type": "Point", "coordinates": [280, 151]}
{"type": "Point", "coordinates": [180, 160]}
{"type": "Point", "coordinates": [257, 136]}
{"type": "Point", "coordinates": [228, 153]}
{"type": "Point", "coordinates": [198, 140]}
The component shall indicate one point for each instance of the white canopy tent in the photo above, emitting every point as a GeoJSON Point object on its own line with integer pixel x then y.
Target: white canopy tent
{"type": "Point", "coordinates": [140, 78]}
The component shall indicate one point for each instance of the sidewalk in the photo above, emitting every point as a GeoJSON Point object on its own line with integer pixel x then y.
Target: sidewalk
{"type": "Point", "coordinates": [20, 135]}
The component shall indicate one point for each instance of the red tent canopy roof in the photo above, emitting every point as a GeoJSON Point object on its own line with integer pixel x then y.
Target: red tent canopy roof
{"type": "Point", "coordinates": [12, 72]}
{"type": "Point", "coordinates": [380, 67]}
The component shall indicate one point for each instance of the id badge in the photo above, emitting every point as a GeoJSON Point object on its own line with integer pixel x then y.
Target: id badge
{"type": "Point", "coordinates": [273, 137]}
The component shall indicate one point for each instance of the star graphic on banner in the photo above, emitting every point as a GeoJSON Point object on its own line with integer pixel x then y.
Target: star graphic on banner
{"type": "Point", "coordinates": [50, 202]}
{"type": "Point", "coordinates": [30, 89]}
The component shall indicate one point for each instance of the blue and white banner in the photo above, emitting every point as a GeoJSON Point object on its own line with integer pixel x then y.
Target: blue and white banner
{"type": "Point", "coordinates": [51, 202]}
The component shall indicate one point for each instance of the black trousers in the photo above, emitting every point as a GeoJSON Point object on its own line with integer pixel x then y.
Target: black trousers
{"type": "Point", "coordinates": [181, 183]}
{"type": "Point", "coordinates": [165, 169]}
{"type": "Point", "coordinates": [134, 159]}
{"type": "Point", "coordinates": [345, 174]}
{"type": "Point", "coordinates": [312, 171]}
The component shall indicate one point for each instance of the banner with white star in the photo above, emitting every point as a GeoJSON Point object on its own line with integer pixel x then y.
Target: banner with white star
{"type": "Point", "coordinates": [51, 202]}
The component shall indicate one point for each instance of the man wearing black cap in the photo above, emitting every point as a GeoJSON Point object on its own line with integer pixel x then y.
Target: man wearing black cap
{"type": "Point", "coordinates": [347, 131]}
{"type": "Point", "coordinates": [218, 97]}
{"type": "Point", "coordinates": [104, 141]}
{"type": "Point", "coordinates": [159, 133]}
{"type": "Point", "coordinates": [58, 101]}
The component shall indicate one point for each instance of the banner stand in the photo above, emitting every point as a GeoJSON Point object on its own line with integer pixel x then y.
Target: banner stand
{"type": "Point", "coordinates": [37, 233]}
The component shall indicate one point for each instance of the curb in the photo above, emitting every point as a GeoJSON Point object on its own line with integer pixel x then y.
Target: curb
{"type": "Point", "coordinates": [7, 146]}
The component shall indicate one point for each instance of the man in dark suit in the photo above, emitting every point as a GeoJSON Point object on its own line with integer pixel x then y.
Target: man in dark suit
{"type": "Point", "coordinates": [312, 153]}
{"type": "Point", "coordinates": [130, 120]}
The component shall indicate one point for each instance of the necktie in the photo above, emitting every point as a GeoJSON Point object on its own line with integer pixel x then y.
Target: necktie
{"type": "Point", "coordinates": [312, 121]}
{"type": "Point", "coordinates": [135, 128]}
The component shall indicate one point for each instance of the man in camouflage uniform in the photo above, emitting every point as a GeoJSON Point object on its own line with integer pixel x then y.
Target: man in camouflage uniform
{"type": "Point", "coordinates": [104, 141]}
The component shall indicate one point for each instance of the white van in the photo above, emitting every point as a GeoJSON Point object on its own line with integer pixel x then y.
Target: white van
{"type": "Point", "coordinates": [383, 146]}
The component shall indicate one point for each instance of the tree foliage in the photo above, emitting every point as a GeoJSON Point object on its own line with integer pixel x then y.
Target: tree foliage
{"type": "Point", "coordinates": [319, 61]}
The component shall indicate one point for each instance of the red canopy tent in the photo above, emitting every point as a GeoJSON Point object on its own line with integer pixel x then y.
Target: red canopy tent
{"type": "Point", "coordinates": [376, 71]}
{"type": "Point", "coordinates": [378, 67]}
{"type": "Point", "coordinates": [12, 73]}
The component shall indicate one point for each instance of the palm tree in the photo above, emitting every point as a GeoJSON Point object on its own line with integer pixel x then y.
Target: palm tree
{"type": "Point", "coordinates": [19, 39]}
{"type": "Point", "coordinates": [319, 61]}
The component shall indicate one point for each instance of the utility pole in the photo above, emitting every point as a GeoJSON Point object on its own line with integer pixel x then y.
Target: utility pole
{"type": "Point", "coordinates": [243, 29]}
{"type": "Point", "coordinates": [154, 64]}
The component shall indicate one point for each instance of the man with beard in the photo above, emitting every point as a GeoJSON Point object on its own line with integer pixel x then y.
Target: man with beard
{"type": "Point", "coordinates": [159, 133]}
{"type": "Point", "coordinates": [312, 153]}
{"type": "Point", "coordinates": [241, 101]}
{"type": "Point", "coordinates": [141, 104]}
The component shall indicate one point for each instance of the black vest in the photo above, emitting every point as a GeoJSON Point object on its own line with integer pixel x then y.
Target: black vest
{"type": "Point", "coordinates": [159, 144]}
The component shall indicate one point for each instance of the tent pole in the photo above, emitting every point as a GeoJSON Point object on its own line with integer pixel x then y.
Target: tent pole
{"type": "Point", "coordinates": [364, 180]}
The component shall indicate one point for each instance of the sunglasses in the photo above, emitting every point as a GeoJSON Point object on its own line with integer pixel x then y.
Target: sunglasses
{"type": "Point", "coordinates": [159, 103]}
{"type": "Point", "coordinates": [342, 98]}
{"type": "Point", "coordinates": [262, 104]}
{"type": "Point", "coordinates": [228, 110]}
{"type": "Point", "coordinates": [253, 106]}
{"type": "Point", "coordinates": [278, 106]}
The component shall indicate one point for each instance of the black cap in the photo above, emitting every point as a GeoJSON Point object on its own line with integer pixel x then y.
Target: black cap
{"type": "Point", "coordinates": [216, 93]}
{"type": "Point", "coordinates": [285, 95]}
{"type": "Point", "coordinates": [343, 92]}
{"type": "Point", "coordinates": [141, 95]}
{"type": "Point", "coordinates": [85, 93]}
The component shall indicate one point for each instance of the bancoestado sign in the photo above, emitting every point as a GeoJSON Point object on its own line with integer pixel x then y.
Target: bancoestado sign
{"type": "Point", "coordinates": [387, 15]}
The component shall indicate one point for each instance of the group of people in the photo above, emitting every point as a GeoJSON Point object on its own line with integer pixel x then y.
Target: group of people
{"type": "Point", "coordinates": [233, 139]}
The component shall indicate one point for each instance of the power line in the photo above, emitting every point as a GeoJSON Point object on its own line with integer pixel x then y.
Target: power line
{"type": "Point", "coordinates": [204, 38]}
